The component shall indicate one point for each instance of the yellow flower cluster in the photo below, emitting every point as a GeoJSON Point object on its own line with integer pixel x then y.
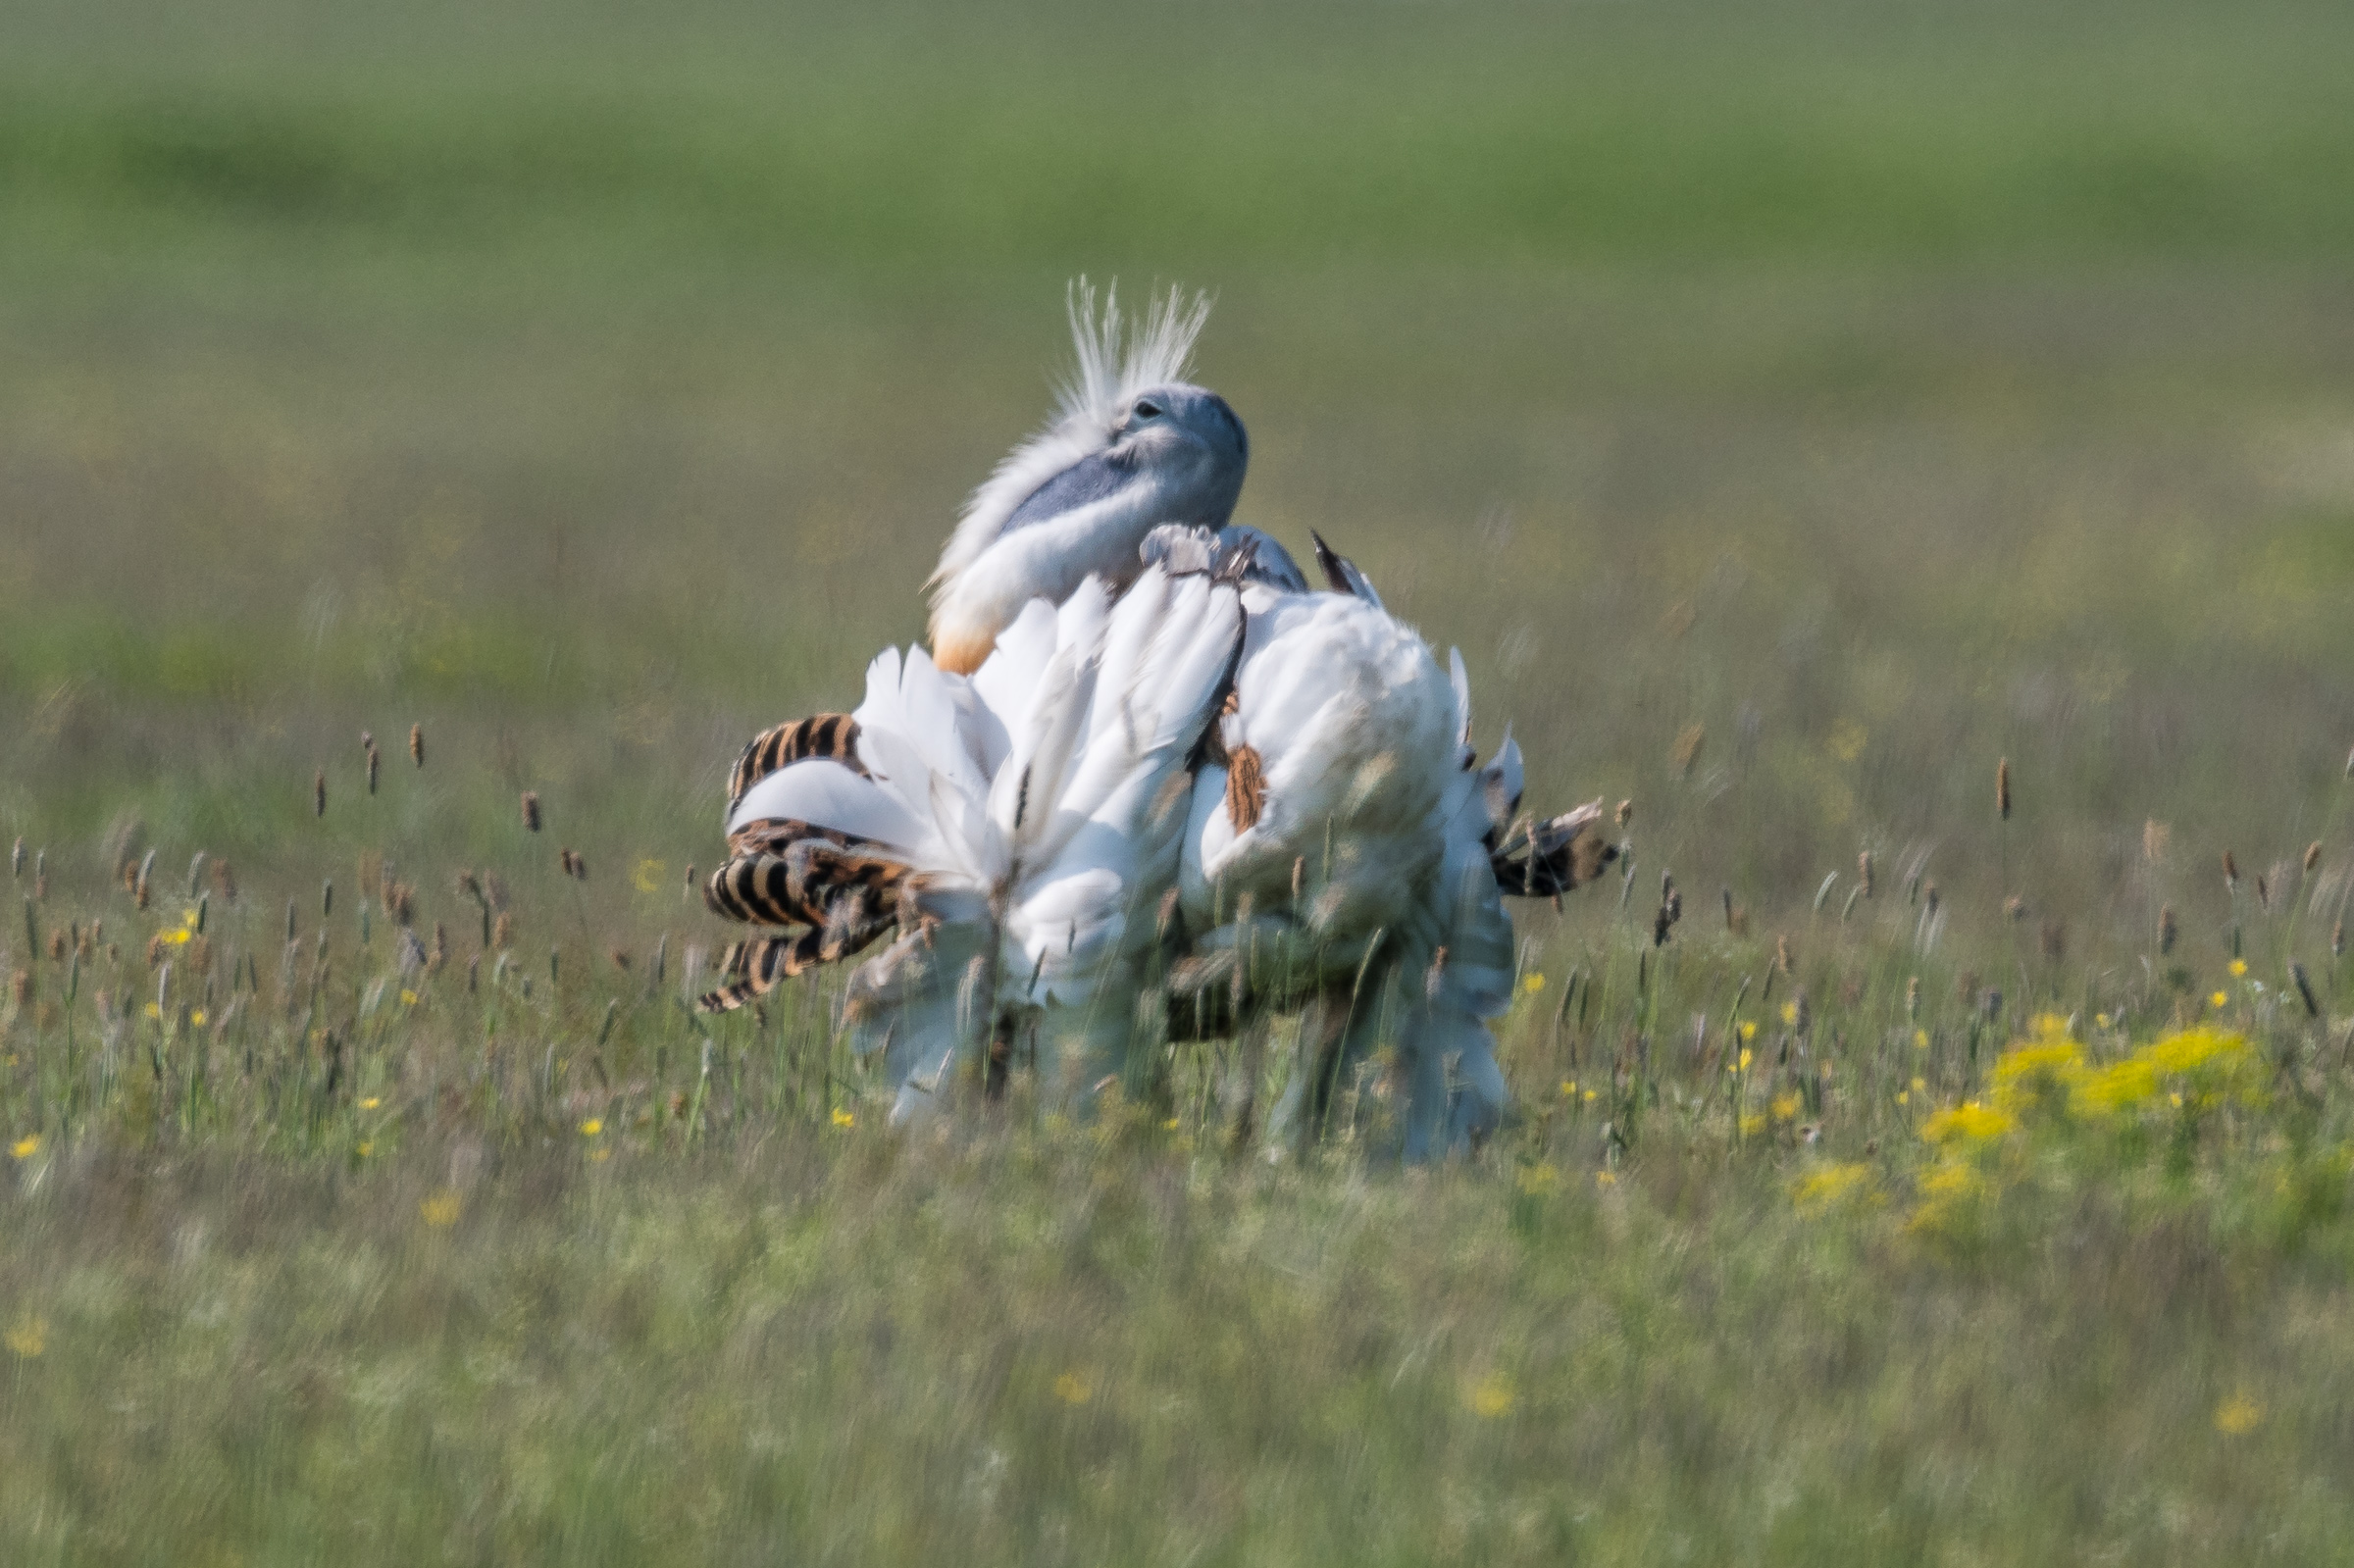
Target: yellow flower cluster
{"type": "Point", "coordinates": [1819, 1191]}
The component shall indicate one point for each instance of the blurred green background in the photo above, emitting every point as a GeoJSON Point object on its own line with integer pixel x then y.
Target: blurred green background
{"type": "Point", "coordinates": [1880, 388]}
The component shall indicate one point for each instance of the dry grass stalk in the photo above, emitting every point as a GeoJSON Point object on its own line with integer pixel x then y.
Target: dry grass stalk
{"type": "Point", "coordinates": [375, 761]}
{"type": "Point", "coordinates": [417, 744]}
{"type": "Point", "coordinates": [2312, 857]}
{"type": "Point", "coordinates": [1864, 872]}
{"type": "Point", "coordinates": [319, 793]}
{"type": "Point", "coordinates": [2002, 788]}
{"type": "Point", "coordinates": [2154, 837]}
{"type": "Point", "coordinates": [502, 931]}
{"type": "Point", "coordinates": [1687, 749]}
{"type": "Point", "coordinates": [530, 810]}
{"type": "Point", "coordinates": [1781, 954]}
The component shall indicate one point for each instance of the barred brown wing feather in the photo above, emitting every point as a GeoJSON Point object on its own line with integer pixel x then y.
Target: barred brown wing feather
{"type": "Point", "coordinates": [830, 735]}
{"type": "Point", "coordinates": [758, 965]}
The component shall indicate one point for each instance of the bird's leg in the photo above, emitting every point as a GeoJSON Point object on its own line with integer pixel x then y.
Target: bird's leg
{"type": "Point", "coordinates": [1243, 1082]}
{"type": "Point", "coordinates": [1307, 1105]}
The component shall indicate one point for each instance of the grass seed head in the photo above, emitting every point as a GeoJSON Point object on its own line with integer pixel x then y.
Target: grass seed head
{"type": "Point", "coordinates": [1864, 872]}
{"type": "Point", "coordinates": [1687, 749]}
{"type": "Point", "coordinates": [2002, 788]}
{"type": "Point", "coordinates": [417, 744]}
{"type": "Point", "coordinates": [502, 931]}
{"type": "Point", "coordinates": [319, 793]}
{"type": "Point", "coordinates": [2168, 930]}
{"type": "Point", "coordinates": [1781, 954]}
{"type": "Point", "coordinates": [2312, 857]}
{"type": "Point", "coordinates": [2230, 873]}
{"type": "Point", "coordinates": [530, 810]}
{"type": "Point", "coordinates": [1626, 812]}
{"type": "Point", "coordinates": [375, 761]}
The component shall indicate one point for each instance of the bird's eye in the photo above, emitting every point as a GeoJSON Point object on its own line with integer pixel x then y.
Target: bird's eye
{"type": "Point", "coordinates": [1147, 409]}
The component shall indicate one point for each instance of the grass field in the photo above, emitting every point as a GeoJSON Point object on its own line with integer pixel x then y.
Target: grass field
{"type": "Point", "coordinates": [1790, 411]}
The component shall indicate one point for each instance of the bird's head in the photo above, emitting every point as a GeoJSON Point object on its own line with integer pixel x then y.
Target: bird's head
{"type": "Point", "coordinates": [1134, 445]}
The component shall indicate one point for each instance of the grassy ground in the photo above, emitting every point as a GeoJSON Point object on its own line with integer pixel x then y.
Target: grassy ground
{"type": "Point", "coordinates": [1789, 412]}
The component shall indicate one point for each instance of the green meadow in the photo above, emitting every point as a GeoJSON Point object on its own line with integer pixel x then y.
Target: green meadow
{"type": "Point", "coordinates": [1792, 411]}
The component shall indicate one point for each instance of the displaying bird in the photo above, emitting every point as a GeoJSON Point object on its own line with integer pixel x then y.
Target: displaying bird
{"type": "Point", "coordinates": [1133, 446]}
{"type": "Point", "coordinates": [1016, 828]}
{"type": "Point", "coordinates": [1150, 781]}
{"type": "Point", "coordinates": [1342, 854]}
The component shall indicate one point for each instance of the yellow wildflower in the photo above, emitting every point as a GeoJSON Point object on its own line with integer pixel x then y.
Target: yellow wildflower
{"type": "Point", "coordinates": [177, 938]}
{"type": "Point", "coordinates": [1072, 1389]}
{"type": "Point", "coordinates": [189, 917]}
{"type": "Point", "coordinates": [1606, 1178]}
{"type": "Point", "coordinates": [30, 1338]}
{"type": "Point", "coordinates": [366, 1148]}
{"type": "Point", "coordinates": [649, 874]}
{"type": "Point", "coordinates": [440, 1210]}
{"type": "Point", "coordinates": [1904, 1096]}
{"type": "Point", "coordinates": [1538, 1179]}
{"type": "Point", "coordinates": [1921, 1040]}
{"type": "Point", "coordinates": [1790, 1014]}
{"type": "Point", "coordinates": [1751, 1122]}
{"type": "Point", "coordinates": [408, 998]}
{"type": "Point", "coordinates": [2101, 1020]}
{"type": "Point", "coordinates": [591, 1127]}
{"type": "Point", "coordinates": [1533, 983]}
{"type": "Point", "coordinates": [2238, 968]}
{"type": "Point", "coordinates": [1785, 1106]}
{"type": "Point", "coordinates": [842, 1117]}
{"type": "Point", "coordinates": [369, 1104]}
{"type": "Point", "coordinates": [2121, 1085]}
{"type": "Point", "coordinates": [154, 1011]}
{"type": "Point", "coordinates": [1920, 1084]}
{"type": "Point", "coordinates": [1968, 1121]}
{"type": "Point", "coordinates": [2236, 1417]}
{"type": "Point", "coordinates": [2194, 1048]}
{"type": "Point", "coordinates": [1170, 1125]}
{"type": "Point", "coordinates": [25, 1148]}
{"type": "Point", "coordinates": [1490, 1397]}
{"type": "Point", "coordinates": [1749, 1032]}
{"type": "Point", "coordinates": [2218, 1000]}
{"type": "Point", "coordinates": [198, 1018]}
{"type": "Point", "coordinates": [1746, 1057]}
{"type": "Point", "coordinates": [1827, 1188]}
{"type": "Point", "coordinates": [1590, 1093]}
{"type": "Point", "coordinates": [1568, 1089]}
